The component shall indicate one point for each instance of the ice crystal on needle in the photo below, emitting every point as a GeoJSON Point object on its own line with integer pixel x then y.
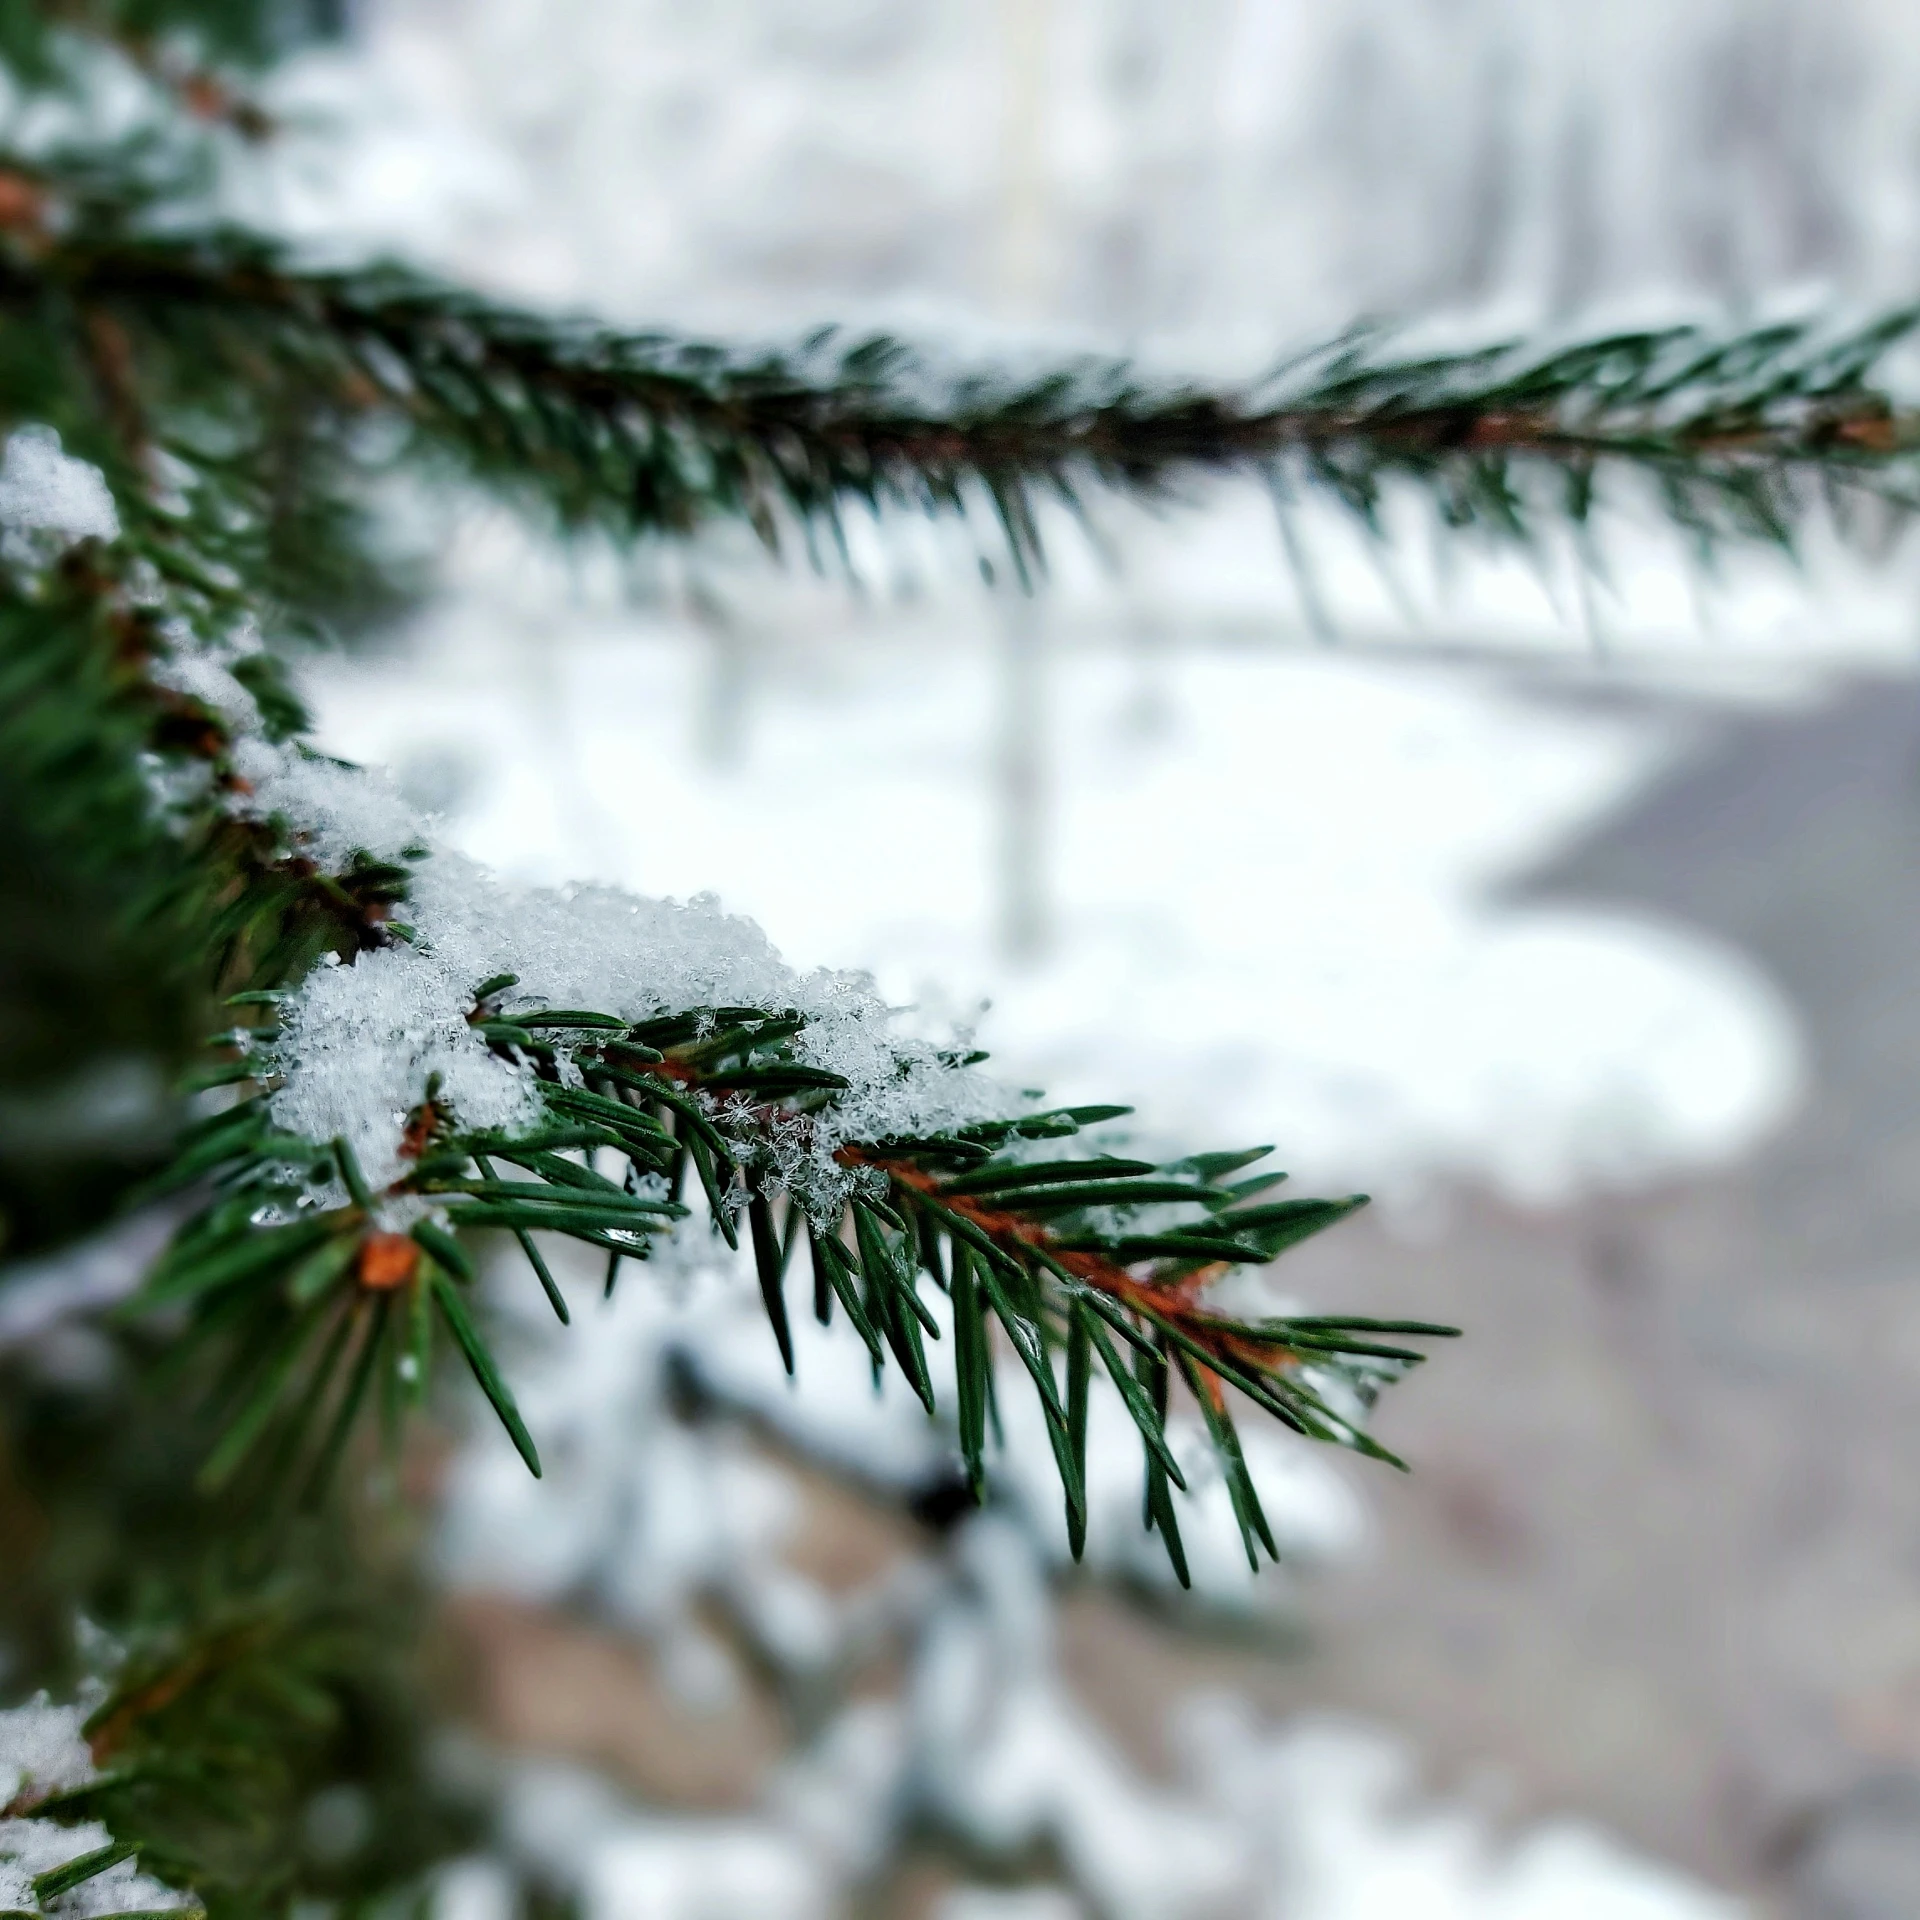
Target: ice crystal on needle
{"type": "Point", "coordinates": [361, 1043]}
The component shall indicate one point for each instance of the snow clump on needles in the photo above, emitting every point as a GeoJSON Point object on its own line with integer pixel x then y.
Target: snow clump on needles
{"type": "Point", "coordinates": [44, 1752]}
{"type": "Point", "coordinates": [359, 1042]}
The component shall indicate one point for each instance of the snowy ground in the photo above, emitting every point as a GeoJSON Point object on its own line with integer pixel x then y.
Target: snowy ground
{"type": "Point", "coordinates": [677, 1533]}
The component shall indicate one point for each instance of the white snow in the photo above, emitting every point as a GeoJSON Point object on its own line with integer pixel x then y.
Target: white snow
{"type": "Point", "coordinates": [338, 811]}
{"type": "Point", "coordinates": [43, 1752]}
{"type": "Point", "coordinates": [1340, 1831]}
{"type": "Point", "coordinates": [44, 491]}
{"type": "Point", "coordinates": [358, 1042]}
{"type": "Point", "coordinates": [475, 1887]}
{"type": "Point", "coordinates": [1009, 1758]}
{"type": "Point", "coordinates": [204, 673]}
{"type": "Point", "coordinates": [676, 1870]}
{"type": "Point", "coordinates": [624, 1864]}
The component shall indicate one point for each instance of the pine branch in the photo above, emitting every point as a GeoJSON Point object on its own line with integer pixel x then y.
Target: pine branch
{"type": "Point", "coordinates": [1070, 1257]}
{"type": "Point", "coordinates": [1739, 431]}
{"type": "Point", "coordinates": [232, 1708]}
{"type": "Point", "coordinates": [37, 39]}
{"type": "Point", "coordinates": [329, 1312]}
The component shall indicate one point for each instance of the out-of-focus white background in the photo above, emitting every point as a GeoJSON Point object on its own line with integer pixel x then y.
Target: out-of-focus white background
{"type": "Point", "coordinates": [1564, 913]}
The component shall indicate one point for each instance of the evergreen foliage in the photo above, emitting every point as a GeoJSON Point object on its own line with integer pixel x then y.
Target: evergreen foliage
{"type": "Point", "coordinates": [171, 874]}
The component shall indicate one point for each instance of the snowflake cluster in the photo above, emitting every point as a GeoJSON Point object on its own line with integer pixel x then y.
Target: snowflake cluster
{"type": "Point", "coordinates": [42, 1753]}
{"type": "Point", "coordinates": [359, 1042]}
{"type": "Point", "coordinates": [48, 500]}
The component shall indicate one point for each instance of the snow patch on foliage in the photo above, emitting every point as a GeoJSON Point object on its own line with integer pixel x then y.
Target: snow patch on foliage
{"type": "Point", "coordinates": [48, 493]}
{"type": "Point", "coordinates": [203, 674]}
{"type": "Point", "coordinates": [43, 1751]}
{"type": "Point", "coordinates": [359, 1042]}
{"type": "Point", "coordinates": [620, 953]}
{"type": "Point", "coordinates": [333, 811]}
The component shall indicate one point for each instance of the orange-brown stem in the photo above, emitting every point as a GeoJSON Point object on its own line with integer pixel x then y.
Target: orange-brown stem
{"type": "Point", "coordinates": [1173, 1301]}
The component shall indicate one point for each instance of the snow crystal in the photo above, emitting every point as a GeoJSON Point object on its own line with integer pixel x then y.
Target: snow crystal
{"type": "Point", "coordinates": [36, 1845]}
{"type": "Point", "coordinates": [360, 1044]}
{"type": "Point", "coordinates": [205, 678]}
{"type": "Point", "coordinates": [334, 810]}
{"type": "Point", "coordinates": [42, 1751]}
{"type": "Point", "coordinates": [16, 1888]}
{"type": "Point", "coordinates": [45, 491]}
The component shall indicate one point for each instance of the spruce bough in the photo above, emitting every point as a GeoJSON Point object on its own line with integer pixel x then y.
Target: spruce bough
{"type": "Point", "coordinates": [390, 1061]}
